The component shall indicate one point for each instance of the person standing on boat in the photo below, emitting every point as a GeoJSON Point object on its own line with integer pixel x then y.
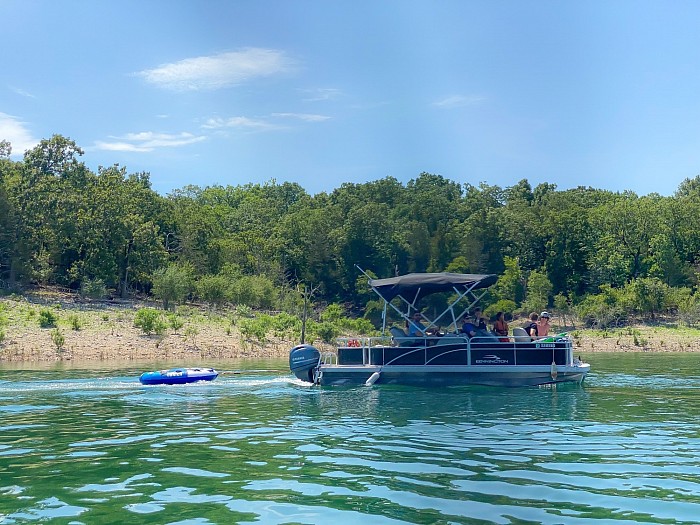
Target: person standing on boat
{"type": "Point", "coordinates": [415, 327]}
{"type": "Point", "coordinates": [543, 325]}
{"type": "Point", "coordinates": [531, 327]}
{"type": "Point", "coordinates": [500, 327]}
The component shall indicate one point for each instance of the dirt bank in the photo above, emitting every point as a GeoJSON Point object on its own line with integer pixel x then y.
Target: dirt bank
{"type": "Point", "coordinates": [95, 331]}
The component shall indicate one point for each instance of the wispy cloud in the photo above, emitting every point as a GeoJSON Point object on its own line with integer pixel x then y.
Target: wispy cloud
{"type": "Point", "coordinates": [147, 141]}
{"type": "Point", "coordinates": [218, 71]}
{"type": "Point", "coordinates": [256, 124]}
{"type": "Point", "coordinates": [302, 116]}
{"type": "Point", "coordinates": [268, 123]}
{"type": "Point", "coordinates": [320, 94]}
{"type": "Point", "coordinates": [21, 92]}
{"type": "Point", "coordinates": [16, 133]}
{"type": "Point", "coordinates": [458, 101]}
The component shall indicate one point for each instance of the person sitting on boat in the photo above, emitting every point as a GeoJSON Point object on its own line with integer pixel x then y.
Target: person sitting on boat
{"type": "Point", "coordinates": [531, 327]}
{"type": "Point", "coordinates": [482, 330]}
{"type": "Point", "coordinates": [469, 327]}
{"type": "Point", "coordinates": [480, 321]}
{"type": "Point", "coordinates": [500, 327]}
{"type": "Point", "coordinates": [415, 327]}
{"type": "Point", "coordinates": [543, 325]}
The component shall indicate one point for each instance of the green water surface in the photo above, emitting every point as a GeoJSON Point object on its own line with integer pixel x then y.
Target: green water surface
{"type": "Point", "coordinates": [92, 445]}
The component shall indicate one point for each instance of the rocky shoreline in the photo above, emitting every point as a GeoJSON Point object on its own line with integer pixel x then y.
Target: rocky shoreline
{"type": "Point", "coordinates": [99, 332]}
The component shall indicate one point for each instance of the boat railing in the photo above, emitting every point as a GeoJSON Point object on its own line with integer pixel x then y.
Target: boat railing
{"type": "Point", "coordinates": [328, 358]}
{"type": "Point", "coordinates": [451, 342]}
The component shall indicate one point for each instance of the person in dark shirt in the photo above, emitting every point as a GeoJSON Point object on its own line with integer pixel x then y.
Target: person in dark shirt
{"type": "Point", "coordinates": [480, 320]}
{"type": "Point", "coordinates": [531, 327]}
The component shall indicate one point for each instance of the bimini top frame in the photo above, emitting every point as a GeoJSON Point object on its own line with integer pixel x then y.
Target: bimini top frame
{"type": "Point", "coordinates": [412, 287]}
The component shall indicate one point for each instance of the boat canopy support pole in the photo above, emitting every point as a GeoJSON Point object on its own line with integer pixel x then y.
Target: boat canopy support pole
{"type": "Point", "coordinates": [411, 305]}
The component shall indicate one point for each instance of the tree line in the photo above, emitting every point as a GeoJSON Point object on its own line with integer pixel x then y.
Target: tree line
{"type": "Point", "coordinates": [605, 255]}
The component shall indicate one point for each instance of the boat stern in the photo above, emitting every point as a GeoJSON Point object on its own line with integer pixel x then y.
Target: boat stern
{"type": "Point", "coordinates": [303, 361]}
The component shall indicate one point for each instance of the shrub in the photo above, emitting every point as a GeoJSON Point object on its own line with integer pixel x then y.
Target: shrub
{"type": "Point", "coordinates": [149, 320]}
{"type": "Point", "coordinates": [191, 333]}
{"type": "Point", "coordinates": [602, 310]}
{"type": "Point", "coordinates": [284, 324]}
{"type": "Point", "coordinates": [58, 339]}
{"type": "Point", "coordinates": [326, 331]}
{"type": "Point", "coordinates": [2, 335]}
{"type": "Point", "coordinates": [172, 284]}
{"type": "Point", "coordinates": [256, 328]}
{"type": "Point", "coordinates": [243, 310]}
{"type": "Point", "coordinates": [358, 326]}
{"type": "Point", "coordinates": [47, 319]}
{"type": "Point", "coordinates": [502, 305]}
{"type": "Point", "coordinates": [93, 288]}
{"type": "Point", "coordinates": [213, 289]}
{"type": "Point", "coordinates": [175, 322]}
{"type": "Point", "coordinates": [332, 313]}
{"type": "Point", "coordinates": [256, 291]}
{"type": "Point", "coordinates": [74, 322]}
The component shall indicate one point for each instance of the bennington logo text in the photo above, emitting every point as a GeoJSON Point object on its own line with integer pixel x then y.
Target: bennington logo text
{"type": "Point", "coordinates": [491, 360]}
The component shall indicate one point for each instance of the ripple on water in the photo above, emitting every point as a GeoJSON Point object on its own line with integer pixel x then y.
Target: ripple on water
{"type": "Point", "coordinates": [265, 449]}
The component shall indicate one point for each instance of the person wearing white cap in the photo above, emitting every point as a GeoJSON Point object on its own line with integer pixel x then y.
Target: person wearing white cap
{"type": "Point", "coordinates": [543, 325]}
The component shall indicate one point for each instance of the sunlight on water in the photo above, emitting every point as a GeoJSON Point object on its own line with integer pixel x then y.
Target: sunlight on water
{"type": "Point", "coordinates": [259, 446]}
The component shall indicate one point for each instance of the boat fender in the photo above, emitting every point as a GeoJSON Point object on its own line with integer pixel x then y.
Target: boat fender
{"type": "Point", "coordinates": [554, 372]}
{"type": "Point", "coordinates": [372, 379]}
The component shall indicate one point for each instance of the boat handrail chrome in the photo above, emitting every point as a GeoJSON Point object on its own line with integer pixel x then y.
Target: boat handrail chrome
{"type": "Point", "coordinates": [328, 358]}
{"type": "Point", "coordinates": [433, 348]}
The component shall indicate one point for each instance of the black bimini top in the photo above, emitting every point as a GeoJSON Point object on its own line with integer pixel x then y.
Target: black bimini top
{"type": "Point", "coordinates": [418, 285]}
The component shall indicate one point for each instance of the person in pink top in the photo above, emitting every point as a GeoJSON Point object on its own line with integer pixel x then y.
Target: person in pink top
{"type": "Point", "coordinates": [543, 325]}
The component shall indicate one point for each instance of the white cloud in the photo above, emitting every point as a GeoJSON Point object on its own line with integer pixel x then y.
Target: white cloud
{"type": "Point", "coordinates": [302, 116]}
{"type": "Point", "coordinates": [16, 133]}
{"type": "Point", "coordinates": [239, 122]}
{"type": "Point", "coordinates": [457, 101]}
{"type": "Point", "coordinates": [259, 124]}
{"type": "Point", "coordinates": [146, 141]}
{"type": "Point", "coordinates": [119, 146]}
{"type": "Point", "coordinates": [218, 71]}
{"type": "Point", "coordinates": [320, 94]}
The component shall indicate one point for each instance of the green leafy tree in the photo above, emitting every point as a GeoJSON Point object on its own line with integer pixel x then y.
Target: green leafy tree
{"type": "Point", "coordinates": [213, 289]}
{"type": "Point", "coordinates": [510, 284]}
{"type": "Point", "coordinates": [624, 228]}
{"type": "Point", "coordinates": [648, 295]}
{"type": "Point", "coordinates": [539, 290]}
{"type": "Point", "coordinates": [172, 284]}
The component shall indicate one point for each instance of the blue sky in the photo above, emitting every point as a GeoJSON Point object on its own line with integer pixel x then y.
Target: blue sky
{"type": "Point", "coordinates": [596, 93]}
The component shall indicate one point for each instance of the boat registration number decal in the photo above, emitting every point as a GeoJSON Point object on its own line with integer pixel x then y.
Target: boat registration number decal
{"type": "Point", "coordinates": [545, 345]}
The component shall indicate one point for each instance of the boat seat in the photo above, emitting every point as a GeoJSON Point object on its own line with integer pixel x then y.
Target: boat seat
{"type": "Point", "coordinates": [520, 335]}
{"type": "Point", "coordinates": [400, 337]}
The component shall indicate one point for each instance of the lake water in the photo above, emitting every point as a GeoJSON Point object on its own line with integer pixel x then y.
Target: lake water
{"type": "Point", "coordinates": [92, 445]}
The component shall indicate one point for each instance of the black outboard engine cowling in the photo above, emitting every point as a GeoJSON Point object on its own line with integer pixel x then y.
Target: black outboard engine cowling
{"type": "Point", "coordinates": [303, 360]}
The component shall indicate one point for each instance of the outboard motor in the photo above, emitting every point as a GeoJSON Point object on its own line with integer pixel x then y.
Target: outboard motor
{"type": "Point", "coordinates": [303, 360]}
